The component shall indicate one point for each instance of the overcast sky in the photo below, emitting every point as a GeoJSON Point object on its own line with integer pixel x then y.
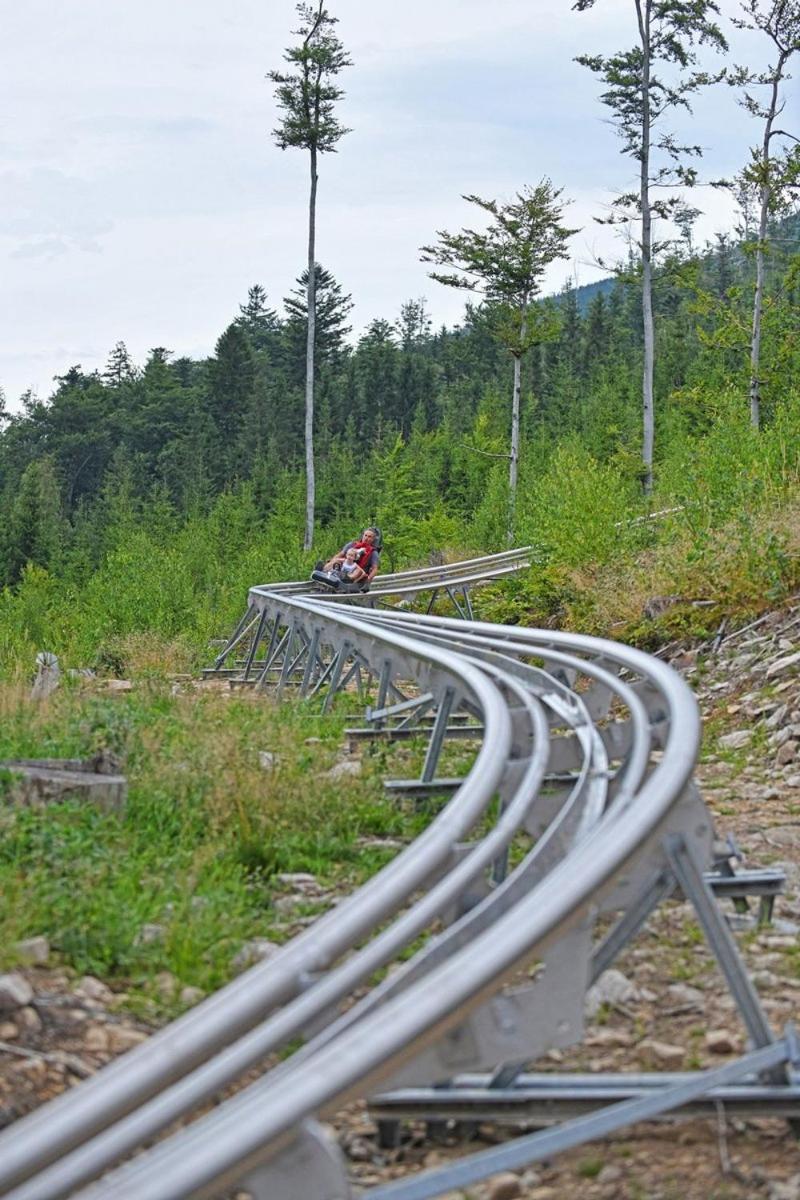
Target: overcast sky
{"type": "Point", "coordinates": [141, 193]}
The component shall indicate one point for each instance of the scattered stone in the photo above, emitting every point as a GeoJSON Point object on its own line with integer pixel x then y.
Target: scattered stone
{"type": "Point", "coordinates": [681, 993]}
{"type": "Point", "coordinates": [662, 1052]}
{"type": "Point", "coordinates": [609, 1038]}
{"type": "Point", "coordinates": [765, 979]}
{"type": "Point", "coordinates": [789, 1189]}
{"type": "Point", "coordinates": [787, 753]}
{"type": "Point", "coordinates": [122, 1038]}
{"type": "Point", "coordinates": [358, 1149]}
{"type": "Point", "coordinates": [735, 740]}
{"type": "Point", "coordinates": [166, 984]}
{"type": "Point", "coordinates": [312, 741]}
{"type": "Point", "coordinates": [504, 1187]}
{"type": "Point", "coordinates": [149, 933]}
{"type": "Point", "coordinates": [781, 665]}
{"type": "Point", "coordinates": [96, 1039]}
{"type": "Point", "coordinates": [34, 1069]}
{"type": "Point", "coordinates": [94, 990]}
{"type": "Point", "coordinates": [611, 988]}
{"type": "Point", "coordinates": [610, 1173]}
{"type": "Point", "coordinates": [15, 992]}
{"type": "Point", "coordinates": [300, 880]}
{"type": "Point", "coordinates": [8, 1031]}
{"type": "Point", "coordinates": [267, 760]}
{"type": "Point", "coordinates": [252, 952]}
{"type": "Point", "coordinates": [33, 951]}
{"type": "Point", "coordinates": [191, 995]}
{"type": "Point", "coordinates": [347, 768]}
{"type": "Point", "coordinates": [720, 1041]}
{"type": "Point", "coordinates": [777, 717]}
{"type": "Point", "coordinates": [28, 1018]}
{"type": "Point", "coordinates": [116, 686]}
{"type": "Point", "coordinates": [779, 942]}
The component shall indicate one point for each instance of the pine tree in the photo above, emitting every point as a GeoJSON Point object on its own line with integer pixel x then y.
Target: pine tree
{"type": "Point", "coordinates": [36, 527]}
{"type": "Point", "coordinates": [333, 307]}
{"type": "Point", "coordinates": [259, 321]}
{"type": "Point", "coordinates": [119, 369]}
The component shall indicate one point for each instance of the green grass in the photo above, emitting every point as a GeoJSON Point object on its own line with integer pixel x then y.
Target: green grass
{"type": "Point", "coordinates": [204, 833]}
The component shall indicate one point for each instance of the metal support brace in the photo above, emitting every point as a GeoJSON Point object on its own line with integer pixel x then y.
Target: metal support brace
{"type": "Point", "coordinates": [354, 673]}
{"type": "Point", "coordinates": [437, 737]}
{"type": "Point", "coordinates": [324, 676]}
{"type": "Point", "coordinates": [262, 620]}
{"type": "Point", "coordinates": [273, 649]}
{"type": "Point", "coordinates": [311, 662]}
{"type": "Point", "coordinates": [521, 1152]}
{"type": "Point", "coordinates": [417, 713]}
{"type": "Point", "coordinates": [336, 675]}
{"type": "Point", "coordinates": [239, 632]}
{"type": "Point", "coordinates": [630, 923]}
{"type": "Point", "coordinates": [461, 612]}
{"type": "Point", "coordinates": [720, 939]}
{"type": "Point", "coordinates": [383, 685]}
{"type": "Point", "coordinates": [394, 710]}
{"type": "Point", "coordinates": [288, 662]}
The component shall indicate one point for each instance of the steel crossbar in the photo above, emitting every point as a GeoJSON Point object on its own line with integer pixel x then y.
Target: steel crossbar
{"type": "Point", "coordinates": [587, 745]}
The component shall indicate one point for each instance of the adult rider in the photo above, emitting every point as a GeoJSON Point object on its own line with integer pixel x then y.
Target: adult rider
{"type": "Point", "coordinates": [369, 558]}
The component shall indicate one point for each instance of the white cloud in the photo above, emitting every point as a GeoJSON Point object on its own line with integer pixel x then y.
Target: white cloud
{"type": "Point", "coordinates": [141, 193]}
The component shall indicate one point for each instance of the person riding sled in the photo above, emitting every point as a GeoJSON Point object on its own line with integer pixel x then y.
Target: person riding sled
{"type": "Point", "coordinates": [356, 564]}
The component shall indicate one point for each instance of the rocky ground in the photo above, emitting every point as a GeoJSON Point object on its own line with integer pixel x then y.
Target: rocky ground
{"type": "Point", "coordinates": [666, 1005]}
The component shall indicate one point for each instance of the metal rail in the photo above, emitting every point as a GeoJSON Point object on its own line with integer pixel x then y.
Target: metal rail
{"type": "Point", "coordinates": [584, 744]}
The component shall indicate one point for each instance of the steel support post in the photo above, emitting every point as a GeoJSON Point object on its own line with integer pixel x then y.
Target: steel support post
{"type": "Point", "coordinates": [522, 1151]}
{"type": "Point", "coordinates": [239, 632]}
{"type": "Point", "coordinates": [437, 736]}
{"type": "Point", "coordinates": [720, 939]}
{"type": "Point", "coordinates": [272, 649]}
{"type": "Point", "coordinates": [262, 620]}
{"type": "Point", "coordinates": [311, 662]}
{"type": "Point", "coordinates": [288, 662]}
{"type": "Point", "coordinates": [630, 923]}
{"type": "Point", "coordinates": [383, 687]}
{"type": "Point", "coordinates": [336, 675]}
{"type": "Point", "coordinates": [456, 605]}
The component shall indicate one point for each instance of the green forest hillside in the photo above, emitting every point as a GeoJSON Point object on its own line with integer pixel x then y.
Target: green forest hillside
{"type": "Point", "coordinates": [146, 499]}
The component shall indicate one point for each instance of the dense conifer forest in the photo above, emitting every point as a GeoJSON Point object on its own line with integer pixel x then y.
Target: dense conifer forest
{"type": "Point", "coordinates": [198, 464]}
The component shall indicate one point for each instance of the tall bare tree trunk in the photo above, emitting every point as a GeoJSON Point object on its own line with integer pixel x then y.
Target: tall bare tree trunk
{"type": "Point", "coordinates": [758, 298]}
{"type": "Point", "coordinates": [648, 416]}
{"type": "Point", "coordinates": [514, 455]}
{"type": "Point", "coordinates": [311, 304]}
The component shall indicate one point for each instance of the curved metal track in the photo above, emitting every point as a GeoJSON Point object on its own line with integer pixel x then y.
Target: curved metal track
{"type": "Point", "coordinates": [582, 778]}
